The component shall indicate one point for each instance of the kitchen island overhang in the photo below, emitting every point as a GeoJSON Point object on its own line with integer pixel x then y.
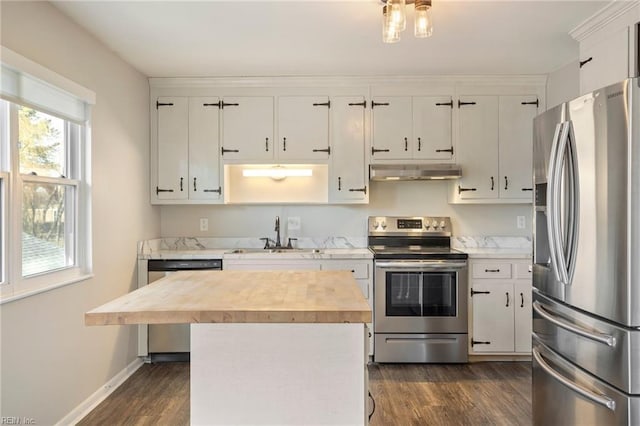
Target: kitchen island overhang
{"type": "Point", "coordinates": [267, 347]}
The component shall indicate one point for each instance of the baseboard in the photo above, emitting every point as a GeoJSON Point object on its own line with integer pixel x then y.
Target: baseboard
{"type": "Point", "coordinates": [100, 395]}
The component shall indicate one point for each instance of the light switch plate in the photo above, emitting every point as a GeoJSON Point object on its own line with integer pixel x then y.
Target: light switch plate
{"type": "Point", "coordinates": [204, 224]}
{"type": "Point", "coordinates": [293, 223]}
{"type": "Point", "coordinates": [520, 221]}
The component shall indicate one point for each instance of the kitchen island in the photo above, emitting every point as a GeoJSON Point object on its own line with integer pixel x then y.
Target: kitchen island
{"type": "Point", "coordinates": [267, 347]}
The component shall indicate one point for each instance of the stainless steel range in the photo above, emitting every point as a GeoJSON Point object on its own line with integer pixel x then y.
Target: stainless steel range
{"type": "Point", "coordinates": [420, 291]}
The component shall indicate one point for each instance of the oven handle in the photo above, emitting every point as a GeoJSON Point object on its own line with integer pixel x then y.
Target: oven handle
{"type": "Point", "coordinates": [421, 265]}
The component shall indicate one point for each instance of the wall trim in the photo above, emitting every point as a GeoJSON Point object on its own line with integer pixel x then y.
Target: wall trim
{"type": "Point", "coordinates": [78, 413]}
{"type": "Point", "coordinates": [602, 18]}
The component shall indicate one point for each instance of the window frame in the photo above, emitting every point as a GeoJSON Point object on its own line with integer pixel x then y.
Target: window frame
{"type": "Point", "coordinates": [13, 285]}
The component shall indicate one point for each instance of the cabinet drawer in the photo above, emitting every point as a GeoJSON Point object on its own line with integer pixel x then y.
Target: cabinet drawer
{"type": "Point", "coordinates": [491, 270]}
{"type": "Point", "coordinates": [359, 270]}
{"type": "Point", "coordinates": [523, 270]}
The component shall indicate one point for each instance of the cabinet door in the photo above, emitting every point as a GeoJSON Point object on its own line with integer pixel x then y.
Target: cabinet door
{"type": "Point", "coordinates": [432, 128]}
{"type": "Point", "coordinates": [608, 61]}
{"type": "Point", "coordinates": [303, 128]}
{"type": "Point", "coordinates": [516, 145]}
{"type": "Point", "coordinates": [173, 148]}
{"type": "Point", "coordinates": [247, 128]}
{"type": "Point", "coordinates": [523, 326]}
{"type": "Point", "coordinates": [492, 316]}
{"type": "Point", "coordinates": [392, 127]}
{"type": "Point", "coordinates": [347, 177]}
{"type": "Point", "coordinates": [478, 147]}
{"type": "Point", "coordinates": [204, 149]}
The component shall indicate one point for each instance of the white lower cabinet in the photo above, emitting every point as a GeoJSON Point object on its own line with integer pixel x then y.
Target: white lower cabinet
{"type": "Point", "coordinates": [362, 270]}
{"type": "Point", "coordinates": [500, 303]}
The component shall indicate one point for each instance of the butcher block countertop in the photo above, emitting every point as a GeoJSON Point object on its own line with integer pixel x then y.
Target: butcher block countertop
{"type": "Point", "coordinates": [239, 297]}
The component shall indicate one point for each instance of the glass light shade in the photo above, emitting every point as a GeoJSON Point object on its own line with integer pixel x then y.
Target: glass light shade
{"type": "Point", "coordinates": [423, 26]}
{"type": "Point", "coordinates": [397, 13]}
{"type": "Point", "coordinates": [390, 33]}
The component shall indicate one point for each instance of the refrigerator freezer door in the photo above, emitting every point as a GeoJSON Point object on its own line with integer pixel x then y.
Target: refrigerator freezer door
{"type": "Point", "coordinates": [603, 349]}
{"type": "Point", "coordinates": [565, 395]}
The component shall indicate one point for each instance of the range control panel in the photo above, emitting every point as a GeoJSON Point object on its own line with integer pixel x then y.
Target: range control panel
{"type": "Point", "coordinates": [409, 225]}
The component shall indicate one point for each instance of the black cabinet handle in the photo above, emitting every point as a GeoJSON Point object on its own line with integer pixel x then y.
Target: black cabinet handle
{"type": "Point", "coordinates": [449, 104]}
{"type": "Point", "coordinates": [506, 183]}
{"type": "Point", "coordinates": [536, 103]}
{"type": "Point", "coordinates": [420, 144]}
{"type": "Point", "coordinates": [492, 183]}
{"type": "Point", "coordinates": [445, 150]}
{"type": "Point", "coordinates": [461, 189]}
{"type": "Point", "coordinates": [181, 181]}
{"type": "Point", "coordinates": [339, 183]}
{"type": "Point", "coordinates": [374, 150]}
{"type": "Point", "coordinates": [219, 190]}
{"type": "Point", "coordinates": [217, 104]}
{"type": "Point", "coordinates": [586, 61]}
{"type": "Point", "coordinates": [527, 189]}
{"type": "Point", "coordinates": [327, 104]}
{"type": "Point", "coordinates": [479, 292]}
{"type": "Point", "coordinates": [223, 150]}
{"type": "Point", "coordinates": [375, 104]}
{"type": "Point", "coordinates": [266, 144]}
{"type": "Point", "coordinates": [362, 104]}
{"type": "Point", "coordinates": [195, 188]}
{"type": "Point", "coordinates": [406, 144]}
{"type": "Point", "coordinates": [478, 342]}
{"type": "Point", "coordinates": [359, 190]}
{"type": "Point", "coordinates": [492, 270]}
{"type": "Point", "coordinates": [522, 300]}
{"type": "Point", "coordinates": [159, 104]}
{"type": "Point", "coordinates": [460, 103]}
{"type": "Point", "coordinates": [158, 190]}
{"type": "Point", "coordinates": [284, 144]}
{"type": "Point", "coordinates": [507, 305]}
{"type": "Point", "coordinates": [223, 104]}
{"type": "Point", "coordinates": [327, 150]}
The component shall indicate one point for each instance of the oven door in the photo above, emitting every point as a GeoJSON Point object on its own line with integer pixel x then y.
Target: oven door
{"type": "Point", "coordinates": [420, 296]}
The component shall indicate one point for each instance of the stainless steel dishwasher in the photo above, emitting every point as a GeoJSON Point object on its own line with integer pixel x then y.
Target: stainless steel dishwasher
{"type": "Point", "coordinates": [170, 342]}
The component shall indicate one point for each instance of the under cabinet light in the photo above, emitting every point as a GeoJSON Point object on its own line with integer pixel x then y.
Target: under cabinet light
{"type": "Point", "coordinates": [277, 173]}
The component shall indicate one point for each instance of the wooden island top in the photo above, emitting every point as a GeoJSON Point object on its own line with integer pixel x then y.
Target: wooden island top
{"type": "Point", "coordinates": [239, 297]}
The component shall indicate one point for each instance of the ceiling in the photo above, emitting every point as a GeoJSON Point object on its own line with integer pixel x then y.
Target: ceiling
{"type": "Point", "coordinates": [270, 38]}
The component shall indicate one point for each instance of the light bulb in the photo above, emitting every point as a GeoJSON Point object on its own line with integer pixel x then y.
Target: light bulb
{"type": "Point", "coordinates": [390, 33]}
{"type": "Point", "coordinates": [398, 13]}
{"type": "Point", "coordinates": [423, 26]}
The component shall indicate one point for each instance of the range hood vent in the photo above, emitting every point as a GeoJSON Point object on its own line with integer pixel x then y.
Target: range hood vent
{"type": "Point", "coordinates": [414, 171]}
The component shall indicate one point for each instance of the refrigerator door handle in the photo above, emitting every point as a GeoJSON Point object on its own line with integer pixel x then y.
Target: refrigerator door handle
{"type": "Point", "coordinates": [574, 207]}
{"type": "Point", "coordinates": [597, 398]}
{"type": "Point", "coordinates": [561, 269]}
{"type": "Point", "coordinates": [606, 339]}
{"type": "Point", "coordinates": [553, 187]}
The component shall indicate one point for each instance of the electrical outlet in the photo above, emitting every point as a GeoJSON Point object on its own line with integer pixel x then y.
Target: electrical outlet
{"type": "Point", "coordinates": [520, 222]}
{"type": "Point", "coordinates": [204, 224]}
{"type": "Point", "coordinates": [293, 223]}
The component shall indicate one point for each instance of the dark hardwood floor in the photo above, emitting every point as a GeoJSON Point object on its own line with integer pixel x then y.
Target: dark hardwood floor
{"type": "Point", "coordinates": [483, 393]}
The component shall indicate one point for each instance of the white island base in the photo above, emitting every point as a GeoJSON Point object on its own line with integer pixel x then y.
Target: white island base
{"type": "Point", "coordinates": [279, 374]}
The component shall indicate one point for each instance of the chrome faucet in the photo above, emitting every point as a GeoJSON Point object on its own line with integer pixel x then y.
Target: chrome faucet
{"type": "Point", "coordinates": [278, 244]}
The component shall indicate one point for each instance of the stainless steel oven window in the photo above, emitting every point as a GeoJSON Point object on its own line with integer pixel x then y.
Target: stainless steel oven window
{"type": "Point", "coordinates": [439, 294]}
{"type": "Point", "coordinates": [426, 294]}
{"type": "Point", "coordinates": [403, 294]}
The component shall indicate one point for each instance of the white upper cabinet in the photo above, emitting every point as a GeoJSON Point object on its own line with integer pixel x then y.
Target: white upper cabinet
{"type": "Point", "coordinates": [478, 146]}
{"type": "Point", "coordinates": [247, 128]}
{"type": "Point", "coordinates": [608, 45]}
{"type": "Point", "coordinates": [392, 128]}
{"type": "Point", "coordinates": [188, 150]}
{"type": "Point", "coordinates": [347, 169]}
{"type": "Point", "coordinates": [412, 128]}
{"type": "Point", "coordinates": [204, 149]}
{"type": "Point", "coordinates": [516, 145]}
{"type": "Point", "coordinates": [432, 128]}
{"type": "Point", "coordinates": [172, 148]}
{"type": "Point", "coordinates": [303, 128]}
{"type": "Point", "coordinates": [495, 148]}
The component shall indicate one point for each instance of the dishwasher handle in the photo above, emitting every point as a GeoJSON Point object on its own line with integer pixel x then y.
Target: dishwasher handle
{"type": "Point", "coordinates": [168, 265]}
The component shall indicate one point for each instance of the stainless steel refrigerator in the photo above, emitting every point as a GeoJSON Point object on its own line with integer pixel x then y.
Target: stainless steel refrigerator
{"type": "Point", "coordinates": [586, 273]}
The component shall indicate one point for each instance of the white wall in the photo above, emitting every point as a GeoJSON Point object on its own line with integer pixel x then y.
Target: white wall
{"type": "Point", "coordinates": [386, 198]}
{"type": "Point", "coordinates": [50, 361]}
{"type": "Point", "coordinates": [563, 84]}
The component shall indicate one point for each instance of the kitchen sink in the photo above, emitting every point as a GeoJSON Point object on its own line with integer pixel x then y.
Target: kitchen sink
{"type": "Point", "coordinates": [274, 250]}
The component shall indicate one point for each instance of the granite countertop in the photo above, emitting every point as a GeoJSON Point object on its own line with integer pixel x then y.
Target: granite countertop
{"type": "Point", "coordinates": [494, 247]}
{"type": "Point", "coordinates": [239, 297]}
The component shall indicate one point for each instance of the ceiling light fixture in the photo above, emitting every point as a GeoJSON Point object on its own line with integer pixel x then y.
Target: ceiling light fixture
{"type": "Point", "coordinates": [394, 19]}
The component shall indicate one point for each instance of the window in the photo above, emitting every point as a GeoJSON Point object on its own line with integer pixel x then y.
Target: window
{"type": "Point", "coordinates": [44, 181]}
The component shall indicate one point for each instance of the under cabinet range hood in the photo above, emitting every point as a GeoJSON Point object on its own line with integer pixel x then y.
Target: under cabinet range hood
{"type": "Point", "coordinates": [414, 171]}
